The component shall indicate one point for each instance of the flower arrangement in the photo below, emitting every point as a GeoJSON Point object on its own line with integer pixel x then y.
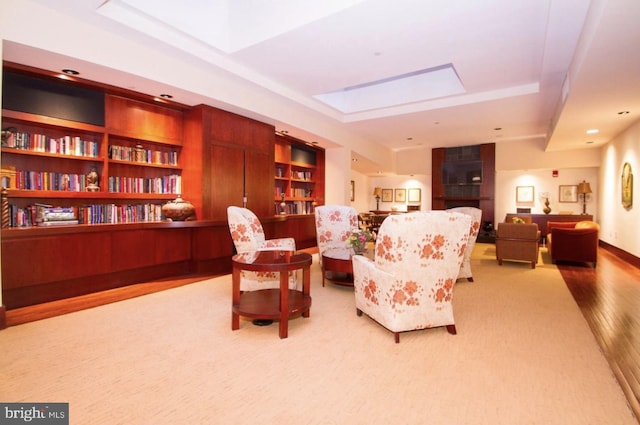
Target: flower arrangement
{"type": "Point", "coordinates": [358, 240]}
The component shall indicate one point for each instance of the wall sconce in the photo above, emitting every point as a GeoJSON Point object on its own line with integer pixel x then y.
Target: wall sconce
{"type": "Point", "coordinates": [583, 189]}
{"type": "Point", "coordinates": [377, 192]}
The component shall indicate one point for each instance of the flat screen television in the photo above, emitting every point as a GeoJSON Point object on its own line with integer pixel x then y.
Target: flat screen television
{"type": "Point", "coordinates": [462, 172]}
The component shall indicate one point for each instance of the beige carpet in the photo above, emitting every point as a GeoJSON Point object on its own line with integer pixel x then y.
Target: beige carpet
{"type": "Point", "coordinates": [523, 355]}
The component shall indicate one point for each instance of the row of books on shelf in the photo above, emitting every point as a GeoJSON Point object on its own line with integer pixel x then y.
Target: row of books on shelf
{"type": "Point", "coordinates": [295, 192]}
{"type": "Point", "coordinates": [295, 207]}
{"type": "Point", "coordinates": [67, 145]}
{"type": "Point", "coordinates": [34, 215]}
{"type": "Point", "coordinates": [298, 175]}
{"type": "Point", "coordinates": [145, 156]}
{"type": "Point", "coordinates": [301, 175]}
{"type": "Point", "coordinates": [48, 180]}
{"type": "Point", "coordinates": [166, 184]}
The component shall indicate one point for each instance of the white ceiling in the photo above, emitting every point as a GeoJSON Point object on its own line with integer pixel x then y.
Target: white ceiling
{"type": "Point", "coordinates": [528, 69]}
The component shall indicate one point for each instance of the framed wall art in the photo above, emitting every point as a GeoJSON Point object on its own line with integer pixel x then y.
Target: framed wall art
{"type": "Point", "coordinates": [627, 186]}
{"type": "Point", "coordinates": [387, 195]}
{"type": "Point", "coordinates": [414, 195]}
{"type": "Point", "coordinates": [401, 195]}
{"type": "Point", "coordinates": [568, 193]}
{"type": "Point", "coordinates": [525, 194]}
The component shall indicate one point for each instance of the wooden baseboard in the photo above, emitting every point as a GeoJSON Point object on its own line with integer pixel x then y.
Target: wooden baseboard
{"type": "Point", "coordinates": [3, 317]}
{"type": "Point", "coordinates": [622, 254]}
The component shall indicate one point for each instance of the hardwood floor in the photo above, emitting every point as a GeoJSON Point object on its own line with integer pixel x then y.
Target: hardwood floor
{"type": "Point", "coordinates": [609, 297]}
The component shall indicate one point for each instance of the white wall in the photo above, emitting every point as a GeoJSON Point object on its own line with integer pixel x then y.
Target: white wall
{"type": "Point", "coordinates": [337, 176]}
{"type": "Point", "coordinates": [363, 192]}
{"type": "Point", "coordinates": [422, 182]}
{"type": "Point", "coordinates": [414, 161]}
{"type": "Point", "coordinates": [620, 227]}
{"type": "Point", "coordinates": [543, 182]}
{"type": "Point", "coordinates": [525, 163]}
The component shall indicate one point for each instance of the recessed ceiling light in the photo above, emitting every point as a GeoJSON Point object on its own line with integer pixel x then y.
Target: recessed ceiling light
{"type": "Point", "coordinates": [593, 131]}
{"type": "Point", "coordinates": [497, 128]}
{"type": "Point", "coordinates": [623, 112]}
{"type": "Point", "coordinates": [70, 71]}
{"type": "Point", "coordinates": [589, 142]}
{"type": "Point", "coordinates": [166, 96]}
{"type": "Point", "coordinates": [354, 160]}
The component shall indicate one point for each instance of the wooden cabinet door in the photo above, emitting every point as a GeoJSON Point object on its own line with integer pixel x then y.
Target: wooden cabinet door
{"type": "Point", "coordinates": [259, 182]}
{"type": "Point", "coordinates": [235, 171]}
{"type": "Point", "coordinates": [227, 179]}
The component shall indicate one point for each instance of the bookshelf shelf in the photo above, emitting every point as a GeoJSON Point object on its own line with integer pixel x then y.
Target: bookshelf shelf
{"type": "Point", "coordinates": [142, 164]}
{"type": "Point", "coordinates": [59, 194]}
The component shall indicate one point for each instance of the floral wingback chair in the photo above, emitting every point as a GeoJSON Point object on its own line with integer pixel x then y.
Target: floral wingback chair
{"type": "Point", "coordinates": [334, 224]}
{"type": "Point", "coordinates": [409, 284]}
{"type": "Point", "coordinates": [248, 235]}
{"type": "Point", "coordinates": [476, 219]}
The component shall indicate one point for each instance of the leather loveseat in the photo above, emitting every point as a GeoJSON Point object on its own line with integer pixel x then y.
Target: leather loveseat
{"type": "Point", "coordinates": [576, 242]}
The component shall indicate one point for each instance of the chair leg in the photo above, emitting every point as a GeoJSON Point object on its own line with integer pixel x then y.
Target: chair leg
{"type": "Point", "coordinates": [533, 264]}
{"type": "Point", "coordinates": [451, 329]}
{"type": "Point", "coordinates": [358, 312]}
{"type": "Point", "coordinates": [397, 335]}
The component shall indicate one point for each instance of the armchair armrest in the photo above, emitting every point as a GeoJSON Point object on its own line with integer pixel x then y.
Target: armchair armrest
{"type": "Point", "coordinates": [369, 281]}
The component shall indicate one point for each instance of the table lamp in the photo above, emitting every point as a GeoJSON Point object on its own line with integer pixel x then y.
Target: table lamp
{"type": "Point", "coordinates": [377, 192]}
{"type": "Point", "coordinates": [583, 189]}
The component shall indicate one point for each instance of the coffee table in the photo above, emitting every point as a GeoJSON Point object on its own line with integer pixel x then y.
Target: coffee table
{"type": "Point", "coordinates": [271, 304]}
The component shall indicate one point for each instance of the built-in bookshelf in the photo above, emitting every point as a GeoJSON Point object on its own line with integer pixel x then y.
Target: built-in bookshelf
{"type": "Point", "coordinates": [110, 158]}
{"type": "Point", "coordinates": [299, 179]}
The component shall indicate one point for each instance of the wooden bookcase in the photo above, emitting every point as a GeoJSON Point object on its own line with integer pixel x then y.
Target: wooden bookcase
{"type": "Point", "coordinates": [134, 146]}
{"type": "Point", "coordinates": [219, 156]}
{"type": "Point", "coordinates": [299, 177]}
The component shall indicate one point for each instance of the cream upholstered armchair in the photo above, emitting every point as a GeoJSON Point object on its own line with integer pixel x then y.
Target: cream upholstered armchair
{"type": "Point", "coordinates": [476, 219]}
{"type": "Point", "coordinates": [248, 235]}
{"type": "Point", "coordinates": [409, 283]}
{"type": "Point", "coordinates": [334, 225]}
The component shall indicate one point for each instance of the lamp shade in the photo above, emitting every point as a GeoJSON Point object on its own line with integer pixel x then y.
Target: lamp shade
{"type": "Point", "coordinates": [377, 191]}
{"type": "Point", "coordinates": [584, 188]}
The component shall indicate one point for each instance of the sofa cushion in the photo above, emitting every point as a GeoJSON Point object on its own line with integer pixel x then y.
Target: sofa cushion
{"type": "Point", "coordinates": [587, 225]}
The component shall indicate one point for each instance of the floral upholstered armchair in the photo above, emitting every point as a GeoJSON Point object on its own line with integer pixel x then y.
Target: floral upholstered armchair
{"type": "Point", "coordinates": [476, 219]}
{"type": "Point", "coordinates": [409, 283]}
{"type": "Point", "coordinates": [334, 225]}
{"type": "Point", "coordinates": [248, 235]}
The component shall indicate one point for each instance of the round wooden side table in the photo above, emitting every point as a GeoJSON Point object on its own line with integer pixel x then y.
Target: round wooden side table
{"type": "Point", "coordinates": [271, 304]}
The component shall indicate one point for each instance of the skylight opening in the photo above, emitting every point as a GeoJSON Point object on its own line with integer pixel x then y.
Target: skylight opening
{"type": "Point", "coordinates": [417, 86]}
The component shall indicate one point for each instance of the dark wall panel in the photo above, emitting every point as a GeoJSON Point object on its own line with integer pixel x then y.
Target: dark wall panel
{"type": "Point", "coordinates": [51, 98]}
